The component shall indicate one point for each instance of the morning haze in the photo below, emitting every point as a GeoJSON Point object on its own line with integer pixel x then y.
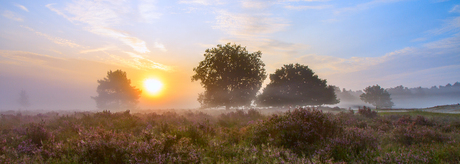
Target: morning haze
{"type": "Point", "coordinates": [55, 53]}
{"type": "Point", "coordinates": [229, 81]}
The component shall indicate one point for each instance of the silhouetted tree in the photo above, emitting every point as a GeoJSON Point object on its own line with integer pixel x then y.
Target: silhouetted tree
{"type": "Point", "coordinates": [296, 85]}
{"type": "Point", "coordinates": [23, 99]}
{"type": "Point", "coordinates": [230, 75]}
{"type": "Point", "coordinates": [377, 96]}
{"type": "Point", "coordinates": [115, 92]}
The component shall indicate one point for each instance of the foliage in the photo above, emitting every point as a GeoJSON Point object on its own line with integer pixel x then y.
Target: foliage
{"type": "Point", "coordinates": [299, 136]}
{"type": "Point", "coordinates": [353, 143]}
{"type": "Point", "coordinates": [239, 118]}
{"type": "Point", "coordinates": [230, 75]}
{"type": "Point", "coordinates": [115, 92]}
{"type": "Point", "coordinates": [300, 130]}
{"type": "Point", "coordinates": [367, 112]}
{"type": "Point", "coordinates": [296, 85]}
{"type": "Point", "coordinates": [377, 96]}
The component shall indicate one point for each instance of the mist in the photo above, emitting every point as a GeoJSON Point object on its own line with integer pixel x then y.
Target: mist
{"type": "Point", "coordinates": [404, 97]}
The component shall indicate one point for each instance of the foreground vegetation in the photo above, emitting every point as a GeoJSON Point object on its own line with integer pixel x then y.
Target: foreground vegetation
{"type": "Point", "coordinates": [297, 136]}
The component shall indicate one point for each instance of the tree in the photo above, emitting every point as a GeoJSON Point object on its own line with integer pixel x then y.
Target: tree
{"type": "Point", "coordinates": [23, 99]}
{"type": "Point", "coordinates": [230, 75]}
{"type": "Point", "coordinates": [377, 96]}
{"type": "Point", "coordinates": [296, 85]}
{"type": "Point", "coordinates": [115, 92]}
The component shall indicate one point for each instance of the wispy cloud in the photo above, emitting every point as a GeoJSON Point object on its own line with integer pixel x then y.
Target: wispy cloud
{"type": "Point", "coordinates": [308, 7]}
{"type": "Point", "coordinates": [141, 62]}
{"type": "Point", "coordinates": [56, 40]}
{"type": "Point", "coordinates": [148, 11]}
{"type": "Point", "coordinates": [160, 46]}
{"type": "Point", "coordinates": [364, 6]}
{"type": "Point", "coordinates": [334, 65]}
{"type": "Point", "coordinates": [101, 16]}
{"type": "Point", "coordinates": [437, 53]}
{"type": "Point", "coordinates": [201, 2]}
{"type": "Point", "coordinates": [256, 4]}
{"type": "Point", "coordinates": [97, 49]}
{"type": "Point", "coordinates": [21, 7]}
{"type": "Point", "coordinates": [452, 43]}
{"type": "Point", "coordinates": [11, 15]}
{"type": "Point", "coordinates": [16, 57]}
{"type": "Point", "coordinates": [304, 0]}
{"type": "Point", "coordinates": [136, 43]}
{"type": "Point", "coordinates": [248, 24]}
{"type": "Point", "coordinates": [455, 9]}
{"type": "Point", "coordinates": [452, 25]}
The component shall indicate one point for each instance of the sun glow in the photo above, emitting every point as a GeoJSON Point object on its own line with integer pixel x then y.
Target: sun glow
{"type": "Point", "coordinates": [153, 86]}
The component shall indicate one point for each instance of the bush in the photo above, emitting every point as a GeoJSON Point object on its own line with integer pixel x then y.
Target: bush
{"type": "Point", "coordinates": [403, 121]}
{"type": "Point", "coordinates": [300, 130]}
{"type": "Point", "coordinates": [417, 135]}
{"type": "Point", "coordinates": [239, 118]}
{"type": "Point", "coordinates": [353, 144]}
{"type": "Point", "coordinates": [420, 120]}
{"type": "Point", "coordinates": [37, 133]}
{"type": "Point", "coordinates": [405, 155]}
{"type": "Point", "coordinates": [367, 112]}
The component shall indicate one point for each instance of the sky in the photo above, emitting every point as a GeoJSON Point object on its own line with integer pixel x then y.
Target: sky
{"type": "Point", "coordinates": [57, 50]}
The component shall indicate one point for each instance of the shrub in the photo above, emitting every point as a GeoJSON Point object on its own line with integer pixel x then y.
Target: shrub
{"type": "Point", "coordinates": [300, 130]}
{"type": "Point", "coordinates": [403, 121]}
{"type": "Point", "coordinates": [417, 135]}
{"type": "Point", "coordinates": [405, 155]}
{"type": "Point", "coordinates": [367, 112]}
{"type": "Point", "coordinates": [381, 124]}
{"type": "Point", "coordinates": [238, 118]}
{"type": "Point", "coordinates": [37, 133]}
{"type": "Point", "coordinates": [353, 144]}
{"type": "Point", "coordinates": [420, 120]}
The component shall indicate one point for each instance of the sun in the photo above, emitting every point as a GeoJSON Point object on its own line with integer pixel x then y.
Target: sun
{"type": "Point", "coordinates": [153, 86]}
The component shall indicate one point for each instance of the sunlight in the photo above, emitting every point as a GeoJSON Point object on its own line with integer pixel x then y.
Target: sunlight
{"type": "Point", "coordinates": [153, 86]}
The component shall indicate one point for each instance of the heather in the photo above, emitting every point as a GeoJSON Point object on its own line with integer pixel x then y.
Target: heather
{"type": "Point", "coordinates": [304, 135]}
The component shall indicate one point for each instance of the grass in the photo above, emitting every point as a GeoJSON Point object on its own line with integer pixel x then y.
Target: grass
{"type": "Point", "coordinates": [422, 113]}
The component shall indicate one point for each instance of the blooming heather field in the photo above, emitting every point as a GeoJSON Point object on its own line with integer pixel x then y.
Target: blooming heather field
{"type": "Point", "coordinates": [296, 136]}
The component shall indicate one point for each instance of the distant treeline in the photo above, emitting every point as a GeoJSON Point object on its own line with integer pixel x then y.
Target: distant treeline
{"type": "Point", "coordinates": [448, 90]}
{"type": "Point", "coordinates": [405, 97]}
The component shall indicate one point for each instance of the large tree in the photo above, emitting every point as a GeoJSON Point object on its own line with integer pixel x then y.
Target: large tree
{"type": "Point", "coordinates": [377, 96]}
{"type": "Point", "coordinates": [296, 85]}
{"type": "Point", "coordinates": [115, 92]}
{"type": "Point", "coordinates": [230, 75]}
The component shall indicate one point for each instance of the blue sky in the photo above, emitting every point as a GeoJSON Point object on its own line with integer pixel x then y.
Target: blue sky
{"type": "Point", "coordinates": [352, 44]}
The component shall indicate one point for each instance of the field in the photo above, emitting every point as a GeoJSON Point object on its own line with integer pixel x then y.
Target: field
{"type": "Point", "coordinates": [238, 136]}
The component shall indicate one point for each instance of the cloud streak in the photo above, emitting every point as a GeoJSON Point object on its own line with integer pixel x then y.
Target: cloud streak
{"type": "Point", "coordinates": [57, 40]}
{"type": "Point", "coordinates": [364, 6]}
{"type": "Point", "coordinates": [201, 2]}
{"type": "Point", "coordinates": [308, 7]}
{"type": "Point", "coordinates": [11, 15]}
{"type": "Point", "coordinates": [101, 16]}
{"type": "Point", "coordinates": [21, 7]}
{"type": "Point", "coordinates": [455, 9]}
{"type": "Point", "coordinates": [141, 62]}
{"type": "Point", "coordinates": [247, 25]}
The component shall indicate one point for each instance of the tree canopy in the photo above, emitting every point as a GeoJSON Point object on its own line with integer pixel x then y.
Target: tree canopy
{"type": "Point", "coordinates": [115, 92]}
{"type": "Point", "coordinates": [296, 85]}
{"type": "Point", "coordinates": [230, 75]}
{"type": "Point", "coordinates": [377, 96]}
